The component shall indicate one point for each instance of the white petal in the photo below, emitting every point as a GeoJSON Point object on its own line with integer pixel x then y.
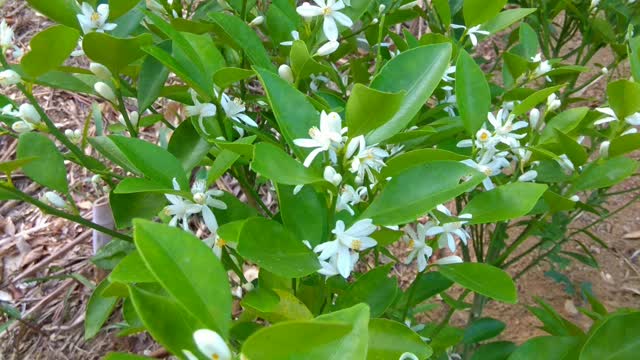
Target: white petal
{"type": "Point", "coordinates": [330, 28]}
{"type": "Point", "coordinates": [449, 260]}
{"type": "Point", "coordinates": [306, 143]}
{"type": "Point", "coordinates": [328, 48]}
{"type": "Point", "coordinates": [344, 262]}
{"type": "Point", "coordinates": [308, 10]}
{"type": "Point", "coordinates": [210, 344]}
{"type": "Point", "coordinates": [312, 155]}
{"type": "Point", "coordinates": [247, 120]}
{"type": "Point", "coordinates": [342, 19]}
{"type": "Point", "coordinates": [434, 231]}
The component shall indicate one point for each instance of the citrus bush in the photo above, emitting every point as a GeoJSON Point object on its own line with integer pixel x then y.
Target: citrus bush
{"type": "Point", "coordinates": [380, 134]}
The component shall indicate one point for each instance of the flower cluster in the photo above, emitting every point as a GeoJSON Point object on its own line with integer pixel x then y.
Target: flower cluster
{"type": "Point", "coordinates": [331, 17]}
{"type": "Point", "coordinates": [182, 209]}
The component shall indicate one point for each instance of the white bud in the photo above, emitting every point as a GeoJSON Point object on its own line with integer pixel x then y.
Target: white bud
{"type": "Point", "coordinates": [328, 48]}
{"type": "Point", "coordinates": [575, 198]}
{"type": "Point", "coordinates": [449, 260]}
{"type": "Point", "coordinates": [21, 127]}
{"type": "Point", "coordinates": [534, 117]}
{"type": "Point", "coordinates": [381, 8]}
{"type": "Point", "coordinates": [257, 21]}
{"type": "Point", "coordinates": [105, 91]}
{"type": "Point", "coordinates": [528, 176]}
{"type": "Point", "coordinates": [9, 77]}
{"type": "Point", "coordinates": [285, 72]}
{"type": "Point", "coordinates": [133, 118]}
{"type": "Point", "coordinates": [604, 71]}
{"type": "Point", "coordinates": [74, 135]}
{"type": "Point", "coordinates": [100, 71]}
{"type": "Point", "coordinates": [28, 113]}
{"type": "Point", "coordinates": [375, 21]}
{"type": "Point", "coordinates": [54, 199]}
{"type": "Point", "coordinates": [553, 102]}
{"type": "Point", "coordinates": [332, 176]}
{"type": "Point", "coordinates": [96, 179]}
{"type": "Point", "coordinates": [604, 149]}
{"type": "Point", "coordinates": [297, 189]}
{"type": "Point", "coordinates": [211, 344]}
{"type": "Point", "coordinates": [408, 356]}
{"type": "Point", "coordinates": [6, 35]}
{"type": "Point", "coordinates": [409, 5]}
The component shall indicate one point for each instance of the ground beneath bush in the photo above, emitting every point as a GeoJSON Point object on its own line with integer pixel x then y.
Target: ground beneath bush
{"type": "Point", "coordinates": [46, 251]}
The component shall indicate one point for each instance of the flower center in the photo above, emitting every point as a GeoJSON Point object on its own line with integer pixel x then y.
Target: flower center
{"type": "Point", "coordinates": [314, 132]}
{"type": "Point", "coordinates": [215, 357]}
{"type": "Point", "coordinates": [95, 17]}
{"type": "Point", "coordinates": [326, 11]}
{"type": "Point", "coordinates": [484, 136]}
{"type": "Point", "coordinates": [199, 198]}
{"type": "Point", "coordinates": [412, 243]}
{"type": "Point", "coordinates": [221, 243]}
{"type": "Point", "coordinates": [356, 244]}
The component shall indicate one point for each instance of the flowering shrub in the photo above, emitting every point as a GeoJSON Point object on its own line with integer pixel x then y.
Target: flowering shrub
{"type": "Point", "coordinates": [381, 145]}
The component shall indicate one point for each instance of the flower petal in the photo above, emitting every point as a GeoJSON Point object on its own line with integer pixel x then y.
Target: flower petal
{"type": "Point", "coordinates": [330, 28]}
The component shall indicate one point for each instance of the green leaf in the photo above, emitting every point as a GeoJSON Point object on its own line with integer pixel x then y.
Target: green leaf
{"type": "Point", "coordinates": [188, 146]}
{"type": "Point", "coordinates": [479, 11]}
{"type": "Point", "coordinates": [564, 122]}
{"type": "Point", "coordinates": [208, 53]}
{"type": "Point", "coordinates": [242, 36]}
{"type": "Point", "coordinates": [483, 279]}
{"type": "Point", "coordinates": [552, 322]}
{"type": "Point", "coordinates": [396, 204]}
{"type": "Point", "coordinates": [426, 285]}
{"type": "Point", "coordinates": [10, 166]}
{"type": "Point", "coordinates": [126, 207]}
{"type": "Point", "coordinates": [166, 320]}
{"type": "Point", "coordinates": [368, 109]}
{"type": "Point", "coordinates": [548, 348]}
{"type": "Point", "coordinates": [398, 164]}
{"type": "Point", "coordinates": [483, 329]}
{"type": "Point", "coordinates": [417, 72]}
{"type": "Point", "coordinates": [99, 309]}
{"type": "Point", "coordinates": [140, 185]}
{"type": "Point", "coordinates": [574, 151]}
{"type": "Point", "coordinates": [118, 8]}
{"type": "Point", "coordinates": [534, 99]}
{"type": "Point", "coordinates": [505, 202]}
{"type": "Point", "coordinates": [151, 80]}
{"type": "Point", "coordinates": [302, 63]}
{"type": "Point", "coordinates": [389, 339]}
{"type": "Point", "coordinates": [132, 269]}
{"type": "Point", "coordinates": [43, 57]}
{"type": "Point", "coordinates": [293, 112]}
{"type": "Point", "coordinates": [226, 77]}
{"type": "Point", "coordinates": [354, 345]}
{"type": "Point", "coordinates": [114, 53]}
{"type": "Point", "coordinates": [443, 10]}
{"type": "Point", "coordinates": [624, 144]}
{"type": "Point", "coordinates": [286, 306]}
{"type": "Point", "coordinates": [273, 163]}
{"type": "Point", "coordinates": [188, 270]}
{"type": "Point", "coordinates": [153, 161]}
{"type": "Point", "coordinates": [224, 161]}
{"type": "Point", "coordinates": [48, 168]}
{"type": "Point", "coordinates": [190, 74]}
{"type": "Point", "coordinates": [472, 93]}
{"type": "Point", "coordinates": [305, 214]}
{"type": "Point", "coordinates": [506, 18]}
{"type": "Point", "coordinates": [624, 97]}
{"type": "Point", "coordinates": [375, 288]}
{"type": "Point", "coordinates": [498, 350]}
{"type": "Point", "coordinates": [605, 173]}
{"type": "Point", "coordinates": [61, 11]}
{"type": "Point", "coordinates": [271, 246]}
{"type": "Point", "coordinates": [123, 356]}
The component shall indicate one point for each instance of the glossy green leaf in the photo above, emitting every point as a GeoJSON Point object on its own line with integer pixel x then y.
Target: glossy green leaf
{"type": "Point", "coordinates": [554, 323]}
{"type": "Point", "coordinates": [505, 202]}
{"type": "Point", "coordinates": [190, 74]}
{"type": "Point", "coordinates": [624, 97]}
{"type": "Point", "coordinates": [188, 270]}
{"type": "Point", "coordinates": [498, 350]}
{"type": "Point", "coordinates": [153, 161]}
{"type": "Point", "coordinates": [417, 72]}
{"type": "Point", "coordinates": [224, 161]}
{"type": "Point", "coordinates": [534, 99]}
{"type": "Point", "coordinates": [243, 37]}
{"type": "Point", "coordinates": [47, 169]}
{"type": "Point", "coordinates": [548, 348]}
{"type": "Point", "coordinates": [118, 8]}
{"type": "Point", "coordinates": [305, 214]}
{"type": "Point", "coordinates": [443, 10]}
{"type": "Point", "coordinates": [140, 185]}
{"type": "Point", "coordinates": [293, 112]}
{"type": "Point", "coordinates": [114, 53]}
{"type": "Point", "coordinates": [272, 247]}
{"type": "Point", "coordinates": [302, 63]}
{"type": "Point", "coordinates": [614, 339]}
{"type": "Point", "coordinates": [624, 144]}
{"type": "Point", "coordinates": [132, 269]}
{"type": "Point", "coordinates": [209, 55]}
{"type": "Point", "coordinates": [479, 11]}
{"type": "Point", "coordinates": [43, 57]}
{"type": "Point", "coordinates": [273, 163]}
{"type": "Point", "coordinates": [389, 339]}
{"type": "Point", "coordinates": [61, 11]}
{"type": "Point", "coordinates": [483, 329]}
{"type": "Point", "coordinates": [425, 286]}
{"type": "Point", "coordinates": [226, 77]}
{"type": "Point", "coordinates": [574, 151]}
{"type": "Point", "coordinates": [281, 20]}
{"type": "Point", "coordinates": [153, 75]}
{"type": "Point", "coordinates": [506, 18]}
{"type": "Point", "coordinates": [564, 122]}
{"type": "Point", "coordinates": [483, 279]}
{"type": "Point", "coordinates": [398, 164]}
{"type": "Point", "coordinates": [605, 173]}
{"type": "Point", "coordinates": [375, 288]}
{"type": "Point", "coordinates": [472, 93]}
{"type": "Point", "coordinates": [188, 146]}
{"type": "Point", "coordinates": [99, 309]}
{"type": "Point", "coordinates": [354, 345]}
{"type": "Point", "coordinates": [12, 165]}
{"type": "Point", "coordinates": [367, 109]}
{"type": "Point", "coordinates": [397, 204]}
{"type": "Point", "coordinates": [286, 306]}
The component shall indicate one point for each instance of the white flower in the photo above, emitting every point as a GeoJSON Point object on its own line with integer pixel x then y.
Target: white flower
{"type": "Point", "coordinates": [610, 116]}
{"type": "Point", "coordinates": [295, 35]}
{"type": "Point", "coordinates": [328, 48]}
{"type": "Point", "coordinates": [331, 175]}
{"type": "Point", "coordinates": [330, 10]}
{"type": "Point", "coordinates": [471, 32]}
{"type": "Point", "coordinates": [105, 91]}
{"type": "Point", "coordinates": [504, 128]}
{"type": "Point", "coordinates": [9, 77]}
{"type": "Point", "coordinates": [206, 199]}
{"type": "Point", "coordinates": [543, 66]}
{"type": "Point", "coordinates": [446, 77]}
{"type": "Point", "coordinates": [216, 243]}
{"type": "Point", "coordinates": [22, 127]}
{"type": "Point", "coordinates": [180, 209]}
{"type": "Point", "coordinates": [594, 4]}
{"type": "Point", "coordinates": [100, 71]}
{"type": "Point", "coordinates": [285, 72]}
{"type": "Point", "coordinates": [367, 158]}
{"type": "Point", "coordinates": [6, 35]}
{"type": "Point", "coordinates": [330, 268]}
{"type": "Point", "coordinates": [95, 20]}
{"type": "Point", "coordinates": [55, 200]}
{"type": "Point", "coordinates": [257, 21]}
{"type": "Point", "coordinates": [350, 197]}
{"type": "Point", "coordinates": [201, 110]}
{"type": "Point", "coordinates": [489, 165]}
{"type": "Point", "coordinates": [446, 231]}
{"type": "Point", "coordinates": [417, 244]}
{"type": "Point", "coordinates": [528, 176]}
{"type": "Point", "coordinates": [75, 136]}
{"type": "Point", "coordinates": [449, 98]}
{"type": "Point", "coordinates": [211, 345]}
{"type": "Point", "coordinates": [234, 109]}
{"type": "Point", "coordinates": [565, 162]}
{"type": "Point", "coordinates": [327, 138]}
{"type": "Point", "coordinates": [604, 149]}
{"type": "Point", "coordinates": [553, 102]}
{"type": "Point", "coordinates": [449, 260]}
{"type": "Point", "coordinates": [28, 113]}
{"type": "Point", "coordinates": [355, 238]}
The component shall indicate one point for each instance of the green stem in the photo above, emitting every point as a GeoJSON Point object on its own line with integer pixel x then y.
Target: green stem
{"type": "Point", "coordinates": [125, 114]}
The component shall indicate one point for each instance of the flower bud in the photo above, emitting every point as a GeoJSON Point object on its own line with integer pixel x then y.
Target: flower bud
{"type": "Point", "coordinates": [328, 48]}
{"type": "Point", "coordinates": [133, 118]}
{"type": "Point", "coordinates": [75, 136]}
{"type": "Point", "coordinates": [528, 176]}
{"type": "Point", "coordinates": [54, 199]}
{"type": "Point", "coordinates": [449, 260]}
{"type": "Point", "coordinates": [28, 113]}
{"type": "Point", "coordinates": [6, 35]}
{"type": "Point", "coordinates": [574, 198]}
{"type": "Point", "coordinates": [211, 344]}
{"type": "Point", "coordinates": [409, 5]}
{"type": "Point", "coordinates": [375, 21]}
{"type": "Point", "coordinates": [553, 102]}
{"type": "Point", "coordinates": [105, 91]}
{"type": "Point", "coordinates": [100, 71]}
{"type": "Point", "coordinates": [257, 21]}
{"type": "Point", "coordinates": [534, 117]}
{"type": "Point", "coordinates": [381, 8]}
{"type": "Point", "coordinates": [285, 72]}
{"type": "Point", "coordinates": [408, 356]}
{"type": "Point", "coordinates": [604, 149]}
{"type": "Point", "coordinates": [9, 77]}
{"type": "Point", "coordinates": [332, 176]}
{"type": "Point", "coordinates": [21, 127]}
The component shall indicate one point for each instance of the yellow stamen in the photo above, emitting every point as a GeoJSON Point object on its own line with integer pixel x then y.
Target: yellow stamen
{"type": "Point", "coordinates": [215, 357]}
{"type": "Point", "coordinates": [356, 244]}
{"type": "Point", "coordinates": [221, 243]}
{"type": "Point", "coordinates": [95, 17]}
{"type": "Point", "coordinates": [412, 243]}
{"type": "Point", "coordinates": [326, 11]}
